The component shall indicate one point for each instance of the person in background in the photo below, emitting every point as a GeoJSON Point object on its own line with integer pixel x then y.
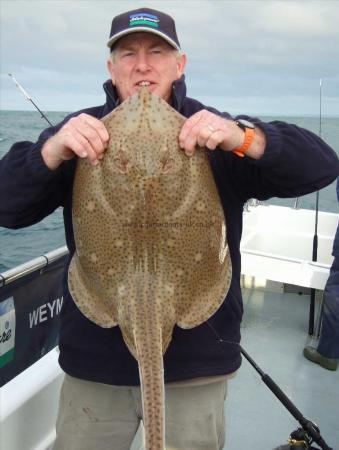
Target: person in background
{"type": "Point", "coordinates": [327, 352]}
{"type": "Point", "coordinates": [100, 406]}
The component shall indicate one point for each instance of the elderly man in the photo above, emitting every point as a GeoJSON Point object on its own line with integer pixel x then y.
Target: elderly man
{"type": "Point", "coordinates": [100, 405]}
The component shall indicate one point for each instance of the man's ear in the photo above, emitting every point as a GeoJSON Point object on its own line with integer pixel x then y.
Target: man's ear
{"type": "Point", "coordinates": [110, 68]}
{"type": "Point", "coordinates": [181, 63]}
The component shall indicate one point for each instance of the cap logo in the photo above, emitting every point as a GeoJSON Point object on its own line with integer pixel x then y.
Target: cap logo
{"type": "Point", "coordinates": [143, 19]}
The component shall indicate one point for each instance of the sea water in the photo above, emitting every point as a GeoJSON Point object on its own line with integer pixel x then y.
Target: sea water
{"type": "Point", "coordinates": [18, 246]}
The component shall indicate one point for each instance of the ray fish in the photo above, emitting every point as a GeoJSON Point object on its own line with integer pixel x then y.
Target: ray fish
{"type": "Point", "coordinates": [151, 247]}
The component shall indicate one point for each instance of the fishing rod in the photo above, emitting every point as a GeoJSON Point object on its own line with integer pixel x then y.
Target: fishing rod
{"type": "Point", "coordinates": [29, 98]}
{"type": "Point", "coordinates": [315, 237]}
{"type": "Point", "coordinates": [300, 439]}
{"type": "Point", "coordinates": [303, 437]}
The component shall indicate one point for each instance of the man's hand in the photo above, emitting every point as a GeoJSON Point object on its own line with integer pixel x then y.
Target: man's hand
{"type": "Point", "coordinates": [84, 136]}
{"type": "Point", "coordinates": [209, 130]}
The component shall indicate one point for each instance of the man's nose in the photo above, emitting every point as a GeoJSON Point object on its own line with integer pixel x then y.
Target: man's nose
{"type": "Point", "coordinates": [142, 62]}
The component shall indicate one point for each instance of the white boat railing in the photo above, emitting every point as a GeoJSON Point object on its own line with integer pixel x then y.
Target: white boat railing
{"type": "Point", "coordinates": [31, 266]}
{"type": "Point", "coordinates": [29, 405]}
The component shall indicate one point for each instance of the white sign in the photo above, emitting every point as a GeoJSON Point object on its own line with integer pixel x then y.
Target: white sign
{"type": "Point", "coordinates": [7, 331]}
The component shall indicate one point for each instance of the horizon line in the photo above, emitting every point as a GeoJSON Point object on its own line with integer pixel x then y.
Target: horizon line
{"type": "Point", "coordinates": [265, 114]}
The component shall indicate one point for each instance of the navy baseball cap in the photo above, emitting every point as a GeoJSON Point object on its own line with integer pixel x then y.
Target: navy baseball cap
{"type": "Point", "coordinates": [144, 20]}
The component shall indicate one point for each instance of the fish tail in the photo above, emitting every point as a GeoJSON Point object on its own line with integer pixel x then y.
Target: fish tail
{"type": "Point", "coordinates": [151, 369]}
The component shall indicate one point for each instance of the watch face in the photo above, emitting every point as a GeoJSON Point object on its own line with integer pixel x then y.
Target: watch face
{"type": "Point", "coordinates": [245, 124]}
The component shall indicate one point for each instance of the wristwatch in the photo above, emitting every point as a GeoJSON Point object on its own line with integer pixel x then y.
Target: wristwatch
{"type": "Point", "coordinates": [249, 129]}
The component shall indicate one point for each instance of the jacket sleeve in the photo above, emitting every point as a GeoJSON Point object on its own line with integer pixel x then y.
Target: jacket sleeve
{"type": "Point", "coordinates": [29, 191]}
{"type": "Point", "coordinates": [295, 162]}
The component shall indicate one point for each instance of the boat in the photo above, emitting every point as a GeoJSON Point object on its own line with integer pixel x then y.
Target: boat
{"type": "Point", "coordinates": [278, 276]}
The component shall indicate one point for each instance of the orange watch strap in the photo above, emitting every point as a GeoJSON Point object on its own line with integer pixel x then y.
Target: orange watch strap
{"type": "Point", "coordinates": [249, 136]}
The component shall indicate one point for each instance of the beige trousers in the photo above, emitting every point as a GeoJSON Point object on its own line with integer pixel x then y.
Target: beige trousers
{"type": "Point", "coordinates": [94, 416]}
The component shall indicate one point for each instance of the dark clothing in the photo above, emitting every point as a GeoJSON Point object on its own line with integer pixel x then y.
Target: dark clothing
{"type": "Point", "coordinates": [295, 163]}
{"type": "Point", "coordinates": [329, 338]}
{"type": "Point", "coordinates": [335, 250]}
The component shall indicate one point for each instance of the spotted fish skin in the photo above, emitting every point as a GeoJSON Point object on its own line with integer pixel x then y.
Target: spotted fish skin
{"type": "Point", "coordinates": [151, 248]}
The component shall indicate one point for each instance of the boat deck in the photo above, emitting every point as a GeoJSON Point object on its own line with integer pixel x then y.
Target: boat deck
{"type": "Point", "coordinates": [274, 333]}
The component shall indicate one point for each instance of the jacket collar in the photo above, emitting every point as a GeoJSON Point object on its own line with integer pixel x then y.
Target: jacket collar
{"type": "Point", "coordinates": [178, 95]}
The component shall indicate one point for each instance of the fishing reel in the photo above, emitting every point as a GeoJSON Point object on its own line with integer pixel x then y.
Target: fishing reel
{"type": "Point", "coordinates": [299, 440]}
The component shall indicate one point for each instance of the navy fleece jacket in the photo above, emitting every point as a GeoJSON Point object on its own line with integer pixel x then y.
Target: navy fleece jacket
{"type": "Point", "coordinates": [295, 162]}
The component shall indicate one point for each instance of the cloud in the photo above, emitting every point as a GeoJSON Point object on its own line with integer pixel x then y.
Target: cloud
{"type": "Point", "coordinates": [247, 56]}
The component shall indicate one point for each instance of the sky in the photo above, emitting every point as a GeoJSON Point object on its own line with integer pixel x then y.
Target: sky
{"type": "Point", "coordinates": [245, 57]}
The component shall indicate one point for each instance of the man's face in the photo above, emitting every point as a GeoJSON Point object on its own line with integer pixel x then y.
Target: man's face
{"type": "Point", "coordinates": [144, 58]}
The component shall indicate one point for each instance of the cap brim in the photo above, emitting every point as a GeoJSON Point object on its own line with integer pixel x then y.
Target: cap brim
{"type": "Point", "coordinates": [142, 29]}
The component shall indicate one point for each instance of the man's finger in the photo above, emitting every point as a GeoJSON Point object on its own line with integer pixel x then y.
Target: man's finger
{"type": "Point", "coordinates": [215, 139]}
{"type": "Point", "coordinates": [97, 125]}
{"type": "Point", "coordinates": [92, 136]}
{"type": "Point", "coordinates": [79, 145]}
{"type": "Point", "coordinates": [198, 134]}
{"type": "Point", "coordinates": [188, 125]}
{"type": "Point", "coordinates": [204, 134]}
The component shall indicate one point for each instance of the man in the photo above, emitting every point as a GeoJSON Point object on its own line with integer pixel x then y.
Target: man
{"type": "Point", "coordinates": [100, 399]}
{"type": "Point", "coordinates": [327, 352]}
